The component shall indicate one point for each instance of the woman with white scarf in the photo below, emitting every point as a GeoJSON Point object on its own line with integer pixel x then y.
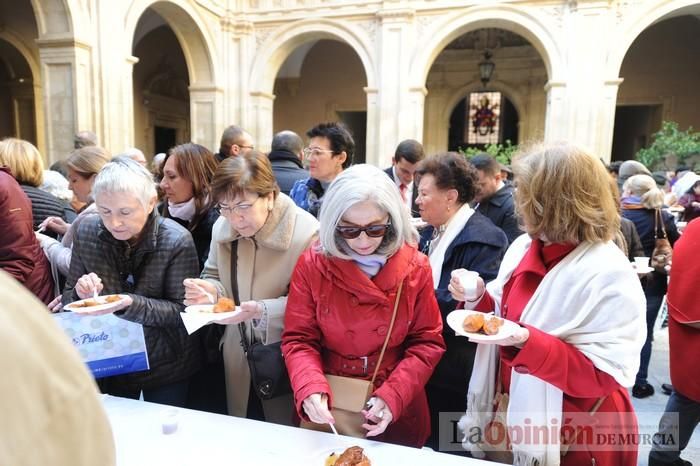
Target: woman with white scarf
{"type": "Point", "coordinates": [458, 237]}
{"type": "Point", "coordinates": [580, 310]}
{"type": "Point", "coordinates": [186, 178]}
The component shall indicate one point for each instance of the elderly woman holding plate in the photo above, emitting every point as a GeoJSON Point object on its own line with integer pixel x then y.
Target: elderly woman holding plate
{"type": "Point", "coordinates": [361, 307]}
{"type": "Point", "coordinates": [580, 310]}
{"type": "Point", "coordinates": [130, 250]}
{"type": "Point", "coordinates": [255, 244]}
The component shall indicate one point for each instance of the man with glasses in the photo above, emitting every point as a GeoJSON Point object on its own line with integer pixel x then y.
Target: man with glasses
{"type": "Point", "coordinates": [234, 142]}
{"type": "Point", "coordinates": [330, 151]}
{"type": "Point", "coordinates": [408, 154]}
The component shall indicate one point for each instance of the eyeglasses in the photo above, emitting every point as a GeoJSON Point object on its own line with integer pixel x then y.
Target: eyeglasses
{"type": "Point", "coordinates": [245, 147]}
{"type": "Point", "coordinates": [315, 151]}
{"type": "Point", "coordinates": [373, 231]}
{"type": "Point", "coordinates": [240, 209]}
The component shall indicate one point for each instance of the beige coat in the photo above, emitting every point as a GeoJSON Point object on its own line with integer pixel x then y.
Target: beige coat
{"type": "Point", "coordinates": [265, 265]}
{"type": "Point", "coordinates": [50, 408]}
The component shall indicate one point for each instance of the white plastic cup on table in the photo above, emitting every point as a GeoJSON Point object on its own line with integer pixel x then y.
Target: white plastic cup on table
{"type": "Point", "coordinates": [468, 280]}
{"type": "Point", "coordinates": [641, 263]}
{"type": "Point", "coordinates": [169, 420]}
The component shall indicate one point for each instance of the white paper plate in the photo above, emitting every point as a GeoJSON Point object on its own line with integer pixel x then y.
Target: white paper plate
{"type": "Point", "coordinates": [456, 318]}
{"type": "Point", "coordinates": [644, 270]}
{"type": "Point", "coordinates": [206, 309]}
{"type": "Point", "coordinates": [104, 308]}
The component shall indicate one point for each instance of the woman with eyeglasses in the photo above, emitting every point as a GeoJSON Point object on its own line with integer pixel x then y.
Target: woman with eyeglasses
{"type": "Point", "coordinates": [255, 244]}
{"type": "Point", "coordinates": [458, 238]}
{"type": "Point", "coordinates": [330, 151]}
{"type": "Point", "coordinates": [341, 303]}
{"type": "Point", "coordinates": [186, 178]}
{"type": "Point", "coordinates": [129, 249]}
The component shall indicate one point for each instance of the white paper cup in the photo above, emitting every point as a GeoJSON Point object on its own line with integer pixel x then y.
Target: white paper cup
{"type": "Point", "coordinates": [467, 279]}
{"type": "Point", "coordinates": [169, 419]}
{"type": "Point", "coordinates": [641, 262]}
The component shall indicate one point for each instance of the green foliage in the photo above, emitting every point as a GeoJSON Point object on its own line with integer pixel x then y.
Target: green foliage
{"type": "Point", "coordinates": [667, 141]}
{"type": "Point", "coordinates": [501, 152]}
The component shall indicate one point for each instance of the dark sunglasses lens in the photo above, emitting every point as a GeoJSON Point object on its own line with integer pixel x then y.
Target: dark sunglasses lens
{"type": "Point", "coordinates": [349, 232]}
{"type": "Point", "coordinates": [375, 231]}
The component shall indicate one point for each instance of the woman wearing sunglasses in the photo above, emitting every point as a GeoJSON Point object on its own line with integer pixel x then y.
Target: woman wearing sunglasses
{"type": "Point", "coordinates": [255, 244]}
{"type": "Point", "coordinates": [340, 307]}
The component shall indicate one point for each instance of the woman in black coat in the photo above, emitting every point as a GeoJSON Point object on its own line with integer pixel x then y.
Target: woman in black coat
{"type": "Point", "coordinates": [186, 178]}
{"type": "Point", "coordinates": [186, 175]}
{"type": "Point", "coordinates": [641, 198]}
{"type": "Point", "coordinates": [457, 238]}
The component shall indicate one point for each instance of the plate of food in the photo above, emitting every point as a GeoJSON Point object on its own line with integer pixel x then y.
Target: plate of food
{"type": "Point", "coordinates": [352, 456]}
{"type": "Point", "coordinates": [99, 305]}
{"type": "Point", "coordinates": [222, 306]}
{"type": "Point", "coordinates": [479, 326]}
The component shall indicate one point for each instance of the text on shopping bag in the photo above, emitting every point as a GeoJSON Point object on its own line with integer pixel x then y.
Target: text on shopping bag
{"type": "Point", "coordinates": [108, 345]}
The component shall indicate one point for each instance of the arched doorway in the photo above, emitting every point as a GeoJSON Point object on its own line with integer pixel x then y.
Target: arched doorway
{"type": "Point", "coordinates": [161, 81]}
{"type": "Point", "coordinates": [463, 111]}
{"type": "Point", "coordinates": [322, 80]}
{"type": "Point", "coordinates": [16, 95]}
{"type": "Point", "coordinates": [660, 74]}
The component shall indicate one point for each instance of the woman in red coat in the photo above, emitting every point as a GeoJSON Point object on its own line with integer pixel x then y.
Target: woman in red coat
{"type": "Point", "coordinates": [580, 310]}
{"type": "Point", "coordinates": [340, 305]}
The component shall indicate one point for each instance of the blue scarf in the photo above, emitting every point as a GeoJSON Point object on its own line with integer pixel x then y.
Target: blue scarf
{"type": "Point", "coordinates": [370, 264]}
{"type": "Point", "coordinates": [631, 202]}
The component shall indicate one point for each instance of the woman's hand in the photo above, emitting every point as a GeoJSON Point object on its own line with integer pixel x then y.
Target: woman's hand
{"type": "Point", "coordinates": [517, 339]}
{"type": "Point", "coordinates": [316, 407]}
{"type": "Point", "coordinates": [55, 305]}
{"type": "Point", "coordinates": [195, 289]}
{"type": "Point", "coordinates": [380, 415]}
{"type": "Point", "coordinates": [458, 291]}
{"type": "Point", "coordinates": [56, 224]}
{"type": "Point", "coordinates": [249, 310]}
{"type": "Point", "coordinates": [87, 285]}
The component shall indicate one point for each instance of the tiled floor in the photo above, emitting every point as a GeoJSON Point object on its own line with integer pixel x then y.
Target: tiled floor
{"type": "Point", "coordinates": [649, 409]}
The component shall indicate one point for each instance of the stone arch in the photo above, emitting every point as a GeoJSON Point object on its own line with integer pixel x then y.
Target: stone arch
{"type": "Point", "coordinates": [513, 19]}
{"type": "Point", "coordinates": [53, 17]}
{"type": "Point", "coordinates": [276, 48]}
{"type": "Point", "coordinates": [638, 22]}
{"type": "Point", "coordinates": [511, 93]}
{"type": "Point", "coordinates": [20, 45]}
{"type": "Point", "coordinates": [190, 30]}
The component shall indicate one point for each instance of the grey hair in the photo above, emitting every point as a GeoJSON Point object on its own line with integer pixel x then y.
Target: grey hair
{"type": "Point", "coordinates": [361, 183]}
{"type": "Point", "coordinates": [123, 175]}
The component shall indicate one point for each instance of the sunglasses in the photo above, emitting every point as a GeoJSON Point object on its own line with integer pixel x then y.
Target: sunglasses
{"type": "Point", "coordinates": [373, 231]}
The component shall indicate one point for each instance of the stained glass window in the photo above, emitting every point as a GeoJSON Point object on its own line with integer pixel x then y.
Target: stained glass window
{"type": "Point", "coordinates": [484, 115]}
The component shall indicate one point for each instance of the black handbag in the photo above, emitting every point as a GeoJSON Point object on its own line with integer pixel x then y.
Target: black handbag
{"type": "Point", "coordinates": [268, 372]}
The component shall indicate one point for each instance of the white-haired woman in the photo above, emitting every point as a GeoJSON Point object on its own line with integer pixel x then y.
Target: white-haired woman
{"type": "Point", "coordinates": [129, 249]}
{"type": "Point", "coordinates": [341, 302]}
{"type": "Point", "coordinates": [641, 199]}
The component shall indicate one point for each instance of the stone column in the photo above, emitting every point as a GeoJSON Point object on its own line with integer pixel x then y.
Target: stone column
{"type": "Point", "coordinates": [205, 111]}
{"type": "Point", "coordinates": [67, 93]}
{"type": "Point", "coordinates": [260, 126]}
{"type": "Point", "coordinates": [606, 119]}
{"type": "Point", "coordinates": [400, 108]}
{"type": "Point", "coordinates": [373, 115]}
{"type": "Point", "coordinates": [556, 120]}
{"type": "Point", "coordinates": [237, 54]}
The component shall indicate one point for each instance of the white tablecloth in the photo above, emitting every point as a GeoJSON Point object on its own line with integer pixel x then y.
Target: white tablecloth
{"type": "Point", "coordinates": [212, 439]}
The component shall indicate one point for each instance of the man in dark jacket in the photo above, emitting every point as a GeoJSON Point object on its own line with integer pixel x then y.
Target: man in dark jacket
{"type": "Point", "coordinates": [285, 157]}
{"type": "Point", "coordinates": [494, 199]}
{"type": "Point", "coordinates": [20, 253]}
{"type": "Point", "coordinates": [407, 155]}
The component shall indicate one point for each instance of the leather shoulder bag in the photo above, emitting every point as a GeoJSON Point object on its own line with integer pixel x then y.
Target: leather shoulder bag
{"type": "Point", "coordinates": [350, 395]}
